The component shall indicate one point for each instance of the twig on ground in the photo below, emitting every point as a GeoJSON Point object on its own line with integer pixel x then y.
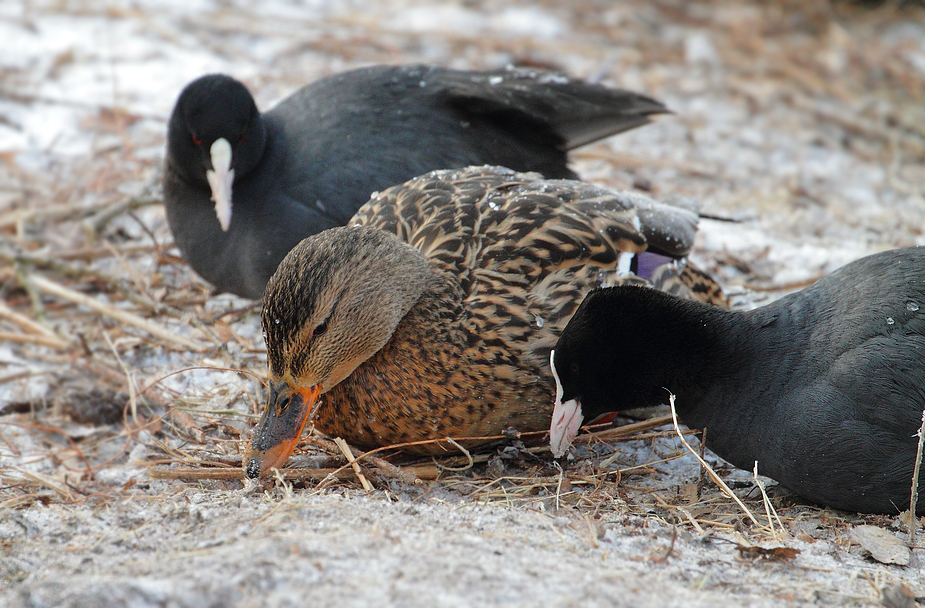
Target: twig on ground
{"type": "Point", "coordinates": [345, 449]}
{"type": "Point", "coordinates": [58, 343]}
{"type": "Point", "coordinates": [38, 309]}
{"type": "Point", "coordinates": [702, 478]}
{"type": "Point", "coordinates": [916, 470]}
{"type": "Point", "coordinates": [560, 482]}
{"type": "Point", "coordinates": [386, 468]}
{"type": "Point", "coordinates": [95, 253]}
{"type": "Point", "coordinates": [693, 521]}
{"type": "Point", "coordinates": [716, 479]}
{"type": "Point", "coordinates": [621, 431]}
{"type": "Point", "coordinates": [182, 421]}
{"type": "Point", "coordinates": [23, 373]}
{"type": "Point", "coordinates": [769, 509]}
{"type": "Point", "coordinates": [129, 378]}
{"type": "Point", "coordinates": [232, 474]}
{"type": "Point", "coordinates": [664, 558]}
{"type": "Point", "coordinates": [98, 220]}
{"type": "Point", "coordinates": [50, 213]}
{"type": "Point", "coordinates": [469, 464]}
{"type": "Point", "coordinates": [79, 272]}
{"type": "Point", "coordinates": [52, 288]}
{"type": "Point", "coordinates": [30, 326]}
{"type": "Point", "coordinates": [48, 482]}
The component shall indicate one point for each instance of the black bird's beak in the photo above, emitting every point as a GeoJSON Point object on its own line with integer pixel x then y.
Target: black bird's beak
{"type": "Point", "coordinates": [220, 178]}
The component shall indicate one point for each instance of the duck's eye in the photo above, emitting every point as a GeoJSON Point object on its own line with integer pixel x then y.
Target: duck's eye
{"type": "Point", "coordinates": [197, 141]}
{"type": "Point", "coordinates": [321, 328]}
{"type": "Point", "coordinates": [574, 368]}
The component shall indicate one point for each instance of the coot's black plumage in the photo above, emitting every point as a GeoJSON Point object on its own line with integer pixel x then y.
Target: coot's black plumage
{"type": "Point", "coordinates": [310, 162]}
{"type": "Point", "coordinates": [824, 388]}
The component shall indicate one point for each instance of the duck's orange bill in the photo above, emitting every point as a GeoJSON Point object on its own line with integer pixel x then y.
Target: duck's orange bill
{"type": "Point", "coordinates": [279, 428]}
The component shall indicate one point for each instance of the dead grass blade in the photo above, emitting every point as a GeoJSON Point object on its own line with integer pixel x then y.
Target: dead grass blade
{"type": "Point", "coordinates": [916, 471]}
{"type": "Point", "coordinates": [345, 449]}
{"type": "Point", "coordinates": [159, 331]}
{"type": "Point", "coordinates": [716, 478]}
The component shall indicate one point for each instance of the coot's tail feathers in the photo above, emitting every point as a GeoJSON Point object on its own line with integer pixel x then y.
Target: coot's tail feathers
{"type": "Point", "coordinates": [577, 111]}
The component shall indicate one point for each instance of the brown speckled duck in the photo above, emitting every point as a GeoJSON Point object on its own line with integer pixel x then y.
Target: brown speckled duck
{"type": "Point", "coordinates": [433, 313]}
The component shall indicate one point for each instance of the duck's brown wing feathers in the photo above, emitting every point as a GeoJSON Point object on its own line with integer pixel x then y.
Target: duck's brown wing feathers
{"type": "Point", "coordinates": [527, 250]}
{"type": "Point", "coordinates": [494, 220]}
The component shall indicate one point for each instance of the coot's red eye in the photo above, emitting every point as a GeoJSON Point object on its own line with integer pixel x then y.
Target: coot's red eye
{"type": "Point", "coordinates": [197, 141]}
{"type": "Point", "coordinates": [242, 138]}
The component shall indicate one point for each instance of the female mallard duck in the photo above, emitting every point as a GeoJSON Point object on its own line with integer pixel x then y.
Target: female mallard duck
{"type": "Point", "coordinates": [824, 388]}
{"type": "Point", "coordinates": [433, 314]}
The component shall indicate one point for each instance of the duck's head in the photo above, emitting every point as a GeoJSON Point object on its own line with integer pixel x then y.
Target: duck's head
{"type": "Point", "coordinates": [216, 133]}
{"type": "Point", "coordinates": [333, 303]}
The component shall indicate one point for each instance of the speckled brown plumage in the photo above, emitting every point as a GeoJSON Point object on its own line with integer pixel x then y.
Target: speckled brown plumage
{"type": "Point", "coordinates": [457, 284]}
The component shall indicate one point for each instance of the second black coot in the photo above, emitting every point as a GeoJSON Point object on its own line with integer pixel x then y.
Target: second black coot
{"type": "Point", "coordinates": [824, 388]}
{"type": "Point", "coordinates": [242, 188]}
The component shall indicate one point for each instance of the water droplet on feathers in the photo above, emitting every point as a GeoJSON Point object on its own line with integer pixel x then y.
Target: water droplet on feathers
{"type": "Point", "coordinates": [912, 306]}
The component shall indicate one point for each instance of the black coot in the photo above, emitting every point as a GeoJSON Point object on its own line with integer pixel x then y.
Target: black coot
{"type": "Point", "coordinates": [242, 188]}
{"type": "Point", "coordinates": [824, 388]}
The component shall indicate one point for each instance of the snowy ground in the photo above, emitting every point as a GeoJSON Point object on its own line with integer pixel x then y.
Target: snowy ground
{"type": "Point", "coordinates": [804, 121]}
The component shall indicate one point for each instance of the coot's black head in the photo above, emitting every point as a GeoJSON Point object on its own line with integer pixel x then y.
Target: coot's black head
{"type": "Point", "coordinates": [608, 358]}
{"type": "Point", "coordinates": [210, 108]}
